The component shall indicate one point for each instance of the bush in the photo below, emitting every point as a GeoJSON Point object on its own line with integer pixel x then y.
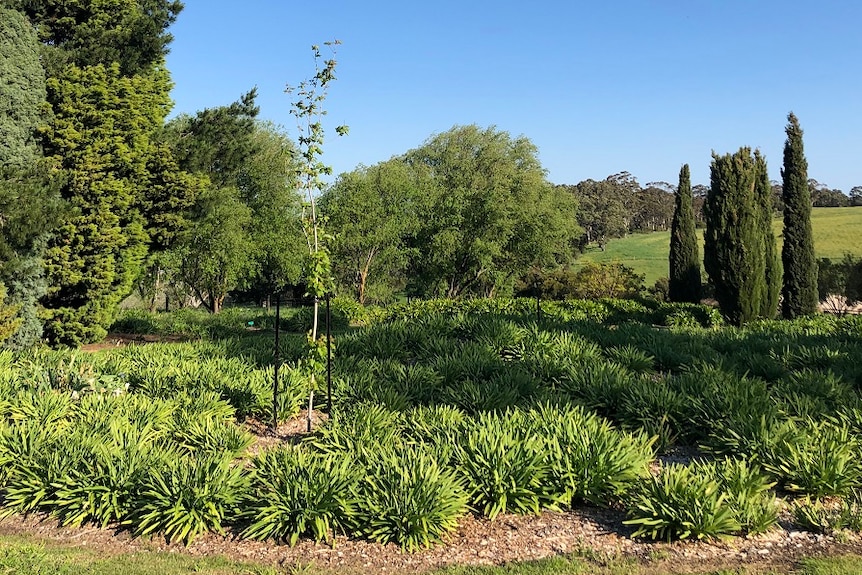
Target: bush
{"type": "Point", "coordinates": [189, 496]}
{"type": "Point", "coordinates": [680, 503]}
{"type": "Point", "coordinates": [409, 499]}
{"type": "Point", "coordinates": [587, 459]}
{"type": "Point", "coordinates": [301, 493]}
{"type": "Point", "coordinates": [504, 466]}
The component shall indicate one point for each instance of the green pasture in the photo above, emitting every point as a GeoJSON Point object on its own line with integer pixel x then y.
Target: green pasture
{"type": "Point", "coordinates": [836, 231]}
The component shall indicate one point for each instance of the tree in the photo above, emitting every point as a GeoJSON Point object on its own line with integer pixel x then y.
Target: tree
{"type": "Point", "coordinates": [268, 186]}
{"type": "Point", "coordinates": [216, 141]}
{"type": "Point", "coordinates": [489, 215]}
{"type": "Point", "coordinates": [736, 245]}
{"type": "Point", "coordinates": [108, 92]}
{"type": "Point", "coordinates": [213, 254]}
{"type": "Point", "coordinates": [799, 288]}
{"type": "Point", "coordinates": [130, 33]}
{"type": "Point", "coordinates": [101, 139]}
{"type": "Point", "coordinates": [22, 92]}
{"type": "Point", "coordinates": [371, 213]}
{"type": "Point", "coordinates": [772, 258]}
{"type": "Point", "coordinates": [29, 201]}
{"type": "Point", "coordinates": [252, 163]}
{"type": "Point", "coordinates": [856, 196]}
{"type": "Point", "coordinates": [684, 259]}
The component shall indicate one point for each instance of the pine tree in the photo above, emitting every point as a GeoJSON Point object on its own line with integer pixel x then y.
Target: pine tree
{"type": "Point", "coordinates": [684, 284]}
{"type": "Point", "coordinates": [734, 244]}
{"type": "Point", "coordinates": [799, 289]}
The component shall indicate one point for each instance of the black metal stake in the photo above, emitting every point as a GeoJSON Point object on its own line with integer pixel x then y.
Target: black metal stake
{"type": "Point", "coordinates": [277, 357]}
{"type": "Point", "coordinates": [328, 356]}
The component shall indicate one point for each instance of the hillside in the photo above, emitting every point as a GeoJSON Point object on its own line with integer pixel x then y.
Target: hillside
{"type": "Point", "coordinates": [836, 231]}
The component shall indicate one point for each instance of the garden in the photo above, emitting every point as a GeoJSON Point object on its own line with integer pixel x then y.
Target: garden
{"type": "Point", "coordinates": [442, 411]}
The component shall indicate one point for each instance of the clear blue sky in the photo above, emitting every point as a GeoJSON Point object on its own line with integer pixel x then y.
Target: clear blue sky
{"type": "Point", "coordinates": [600, 87]}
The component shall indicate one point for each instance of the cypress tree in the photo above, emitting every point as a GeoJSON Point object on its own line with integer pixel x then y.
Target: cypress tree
{"type": "Point", "coordinates": [684, 259]}
{"type": "Point", "coordinates": [799, 289]}
{"type": "Point", "coordinates": [734, 241]}
{"type": "Point", "coordinates": [772, 259]}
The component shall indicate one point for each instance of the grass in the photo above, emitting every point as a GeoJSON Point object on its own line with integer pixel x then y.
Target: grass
{"type": "Point", "coordinates": [836, 231]}
{"type": "Point", "coordinates": [25, 556]}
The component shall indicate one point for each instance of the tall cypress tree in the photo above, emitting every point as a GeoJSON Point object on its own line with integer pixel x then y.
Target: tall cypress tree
{"type": "Point", "coordinates": [734, 241]}
{"type": "Point", "coordinates": [800, 267]}
{"type": "Point", "coordinates": [771, 257]}
{"type": "Point", "coordinates": [684, 259]}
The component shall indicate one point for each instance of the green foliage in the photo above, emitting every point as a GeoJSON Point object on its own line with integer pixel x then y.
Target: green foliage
{"type": "Point", "coordinates": [297, 493]}
{"type": "Point", "coordinates": [212, 257]}
{"type": "Point", "coordinates": [188, 497]}
{"type": "Point", "coordinates": [739, 251]}
{"type": "Point", "coordinates": [702, 500]}
{"type": "Point", "coordinates": [828, 515]}
{"type": "Point", "coordinates": [839, 284]}
{"type": "Point", "coordinates": [9, 319]}
{"type": "Point", "coordinates": [503, 466]}
{"type": "Point", "coordinates": [684, 276]}
{"type": "Point", "coordinates": [127, 32]}
{"type": "Point", "coordinates": [487, 215]}
{"type": "Point", "coordinates": [588, 460]}
{"type": "Point", "coordinates": [368, 213]}
{"type": "Point", "coordinates": [799, 291]}
{"type": "Point", "coordinates": [22, 93]}
{"type": "Point", "coordinates": [819, 459]}
{"type": "Point", "coordinates": [408, 498]}
{"type": "Point", "coordinates": [101, 137]}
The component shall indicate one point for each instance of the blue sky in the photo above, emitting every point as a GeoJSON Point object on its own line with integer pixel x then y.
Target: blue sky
{"type": "Point", "coordinates": [600, 87]}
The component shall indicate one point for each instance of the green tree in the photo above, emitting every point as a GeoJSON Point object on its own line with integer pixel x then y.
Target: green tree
{"type": "Point", "coordinates": [29, 202]}
{"type": "Point", "coordinates": [799, 288]}
{"type": "Point", "coordinates": [772, 258]}
{"type": "Point", "coordinates": [100, 138]}
{"type": "Point", "coordinates": [684, 259]}
{"type": "Point", "coordinates": [268, 186]}
{"type": "Point", "coordinates": [602, 211]}
{"type": "Point", "coordinates": [735, 250]}
{"type": "Point", "coordinates": [216, 141]}
{"type": "Point", "coordinates": [22, 91]}
{"type": "Point", "coordinates": [212, 256]}
{"type": "Point", "coordinates": [130, 33]}
{"type": "Point", "coordinates": [371, 213]}
{"type": "Point", "coordinates": [489, 215]}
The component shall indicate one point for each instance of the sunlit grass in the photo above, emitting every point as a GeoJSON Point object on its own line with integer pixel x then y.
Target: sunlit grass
{"type": "Point", "coordinates": [836, 231]}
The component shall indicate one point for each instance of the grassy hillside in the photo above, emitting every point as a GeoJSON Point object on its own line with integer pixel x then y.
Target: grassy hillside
{"type": "Point", "coordinates": [836, 231]}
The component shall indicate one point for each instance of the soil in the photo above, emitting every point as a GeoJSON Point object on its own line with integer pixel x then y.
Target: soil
{"type": "Point", "coordinates": [597, 535]}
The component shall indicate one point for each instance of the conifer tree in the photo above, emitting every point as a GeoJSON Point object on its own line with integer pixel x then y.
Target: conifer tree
{"type": "Point", "coordinates": [799, 289]}
{"type": "Point", "coordinates": [28, 200]}
{"type": "Point", "coordinates": [734, 244]}
{"type": "Point", "coordinates": [684, 284]}
{"type": "Point", "coordinates": [772, 259]}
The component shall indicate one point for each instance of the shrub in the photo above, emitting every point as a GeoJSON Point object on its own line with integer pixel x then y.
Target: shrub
{"type": "Point", "coordinates": [819, 459]}
{"type": "Point", "coordinates": [829, 516]}
{"type": "Point", "coordinates": [680, 503]}
{"type": "Point", "coordinates": [301, 493]}
{"type": "Point", "coordinates": [587, 459]}
{"type": "Point", "coordinates": [189, 496]}
{"type": "Point", "coordinates": [503, 466]}
{"type": "Point", "coordinates": [409, 499]}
